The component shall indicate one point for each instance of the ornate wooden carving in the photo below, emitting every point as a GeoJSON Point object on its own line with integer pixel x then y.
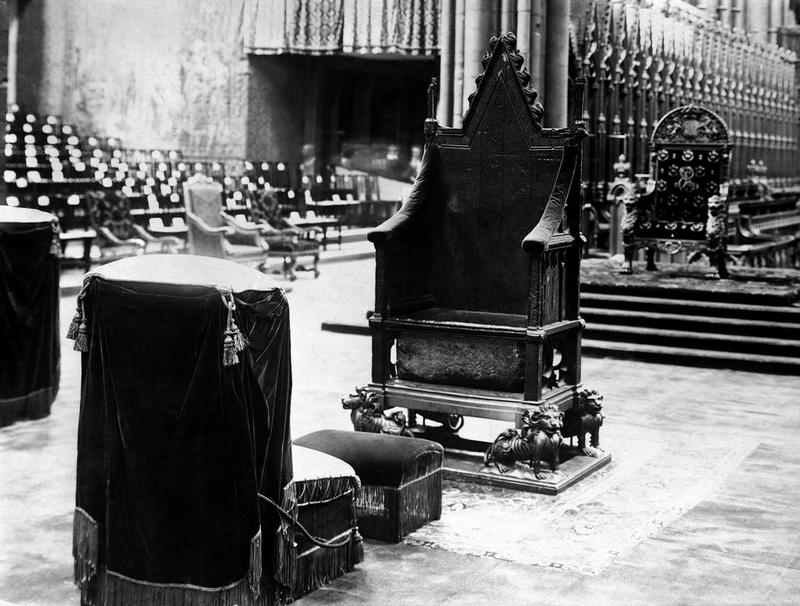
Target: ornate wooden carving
{"type": "Point", "coordinates": [684, 204]}
{"type": "Point", "coordinates": [477, 275]}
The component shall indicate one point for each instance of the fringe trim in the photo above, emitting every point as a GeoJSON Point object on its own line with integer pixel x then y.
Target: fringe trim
{"type": "Point", "coordinates": [319, 566]}
{"type": "Point", "coordinates": [119, 590]}
{"type": "Point", "coordinates": [419, 502]}
{"type": "Point", "coordinates": [256, 563]}
{"type": "Point", "coordinates": [372, 501]}
{"type": "Point", "coordinates": [85, 549]}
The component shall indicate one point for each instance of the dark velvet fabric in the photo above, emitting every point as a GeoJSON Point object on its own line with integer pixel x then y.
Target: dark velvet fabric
{"type": "Point", "coordinates": [173, 446]}
{"type": "Point", "coordinates": [377, 459]}
{"type": "Point", "coordinates": [30, 351]}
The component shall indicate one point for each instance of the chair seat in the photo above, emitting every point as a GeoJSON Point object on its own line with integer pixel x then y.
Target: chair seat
{"type": "Point", "coordinates": [244, 250]}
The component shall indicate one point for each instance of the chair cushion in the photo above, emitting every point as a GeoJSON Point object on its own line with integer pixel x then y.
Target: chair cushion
{"type": "Point", "coordinates": [378, 459]}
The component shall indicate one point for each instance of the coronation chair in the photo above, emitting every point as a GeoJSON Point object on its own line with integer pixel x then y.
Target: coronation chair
{"type": "Point", "coordinates": [477, 275]}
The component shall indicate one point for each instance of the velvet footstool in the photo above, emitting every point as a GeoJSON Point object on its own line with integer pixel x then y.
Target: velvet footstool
{"type": "Point", "coordinates": [401, 479]}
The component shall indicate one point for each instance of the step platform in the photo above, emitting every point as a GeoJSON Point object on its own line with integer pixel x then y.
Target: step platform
{"type": "Point", "coordinates": [463, 462]}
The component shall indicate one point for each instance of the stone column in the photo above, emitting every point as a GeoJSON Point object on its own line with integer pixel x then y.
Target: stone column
{"type": "Point", "coordinates": [775, 19]}
{"type": "Point", "coordinates": [458, 65]}
{"type": "Point", "coordinates": [536, 60]}
{"type": "Point", "coordinates": [477, 24]}
{"type": "Point", "coordinates": [557, 63]}
{"type": "Point", "coordinates": [524, 29]}
{"type": "Point", "coordinates": [738, 13]}
{"type": "Point", "coordinates": [444, 111]}
{"type": "Point", "coordinates": [13, 38]}
{"type": "Point", "coordinates": [508, 22]}
{"type": "Point", "coordinates": [757, 19]}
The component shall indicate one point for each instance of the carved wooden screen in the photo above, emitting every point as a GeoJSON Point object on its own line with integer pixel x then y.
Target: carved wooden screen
{"type": "Point", "coordinates": [493, 180]}
{"type": "Point", "coordinates": [690, 157]}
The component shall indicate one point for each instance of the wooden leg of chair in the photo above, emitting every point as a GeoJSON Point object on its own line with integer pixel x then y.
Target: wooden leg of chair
{"type": "Point", "coordinates": [650, 254]}
{"type": "Point", "coordinates": [316, 268]}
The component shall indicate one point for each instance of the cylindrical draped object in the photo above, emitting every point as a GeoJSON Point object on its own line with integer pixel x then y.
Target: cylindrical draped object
{"type": "Point", "coordinates": [30, 353]}
{"type": "Point", "coordinates": [184, 423]}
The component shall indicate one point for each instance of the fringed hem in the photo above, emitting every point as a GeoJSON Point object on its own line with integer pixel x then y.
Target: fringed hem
{"type": "Point", "coordinates": [119, 590]}
{"type": "Point", "coordinates": [420, 502]}
{"type": "Point", "coordinates": [404, 509]}
{"type": "Point", "coordinates": [372, 501]}
{"type": "Point", "coordinates": [85, 549]}
{"type": "Point", "coordinates": [318, 566]}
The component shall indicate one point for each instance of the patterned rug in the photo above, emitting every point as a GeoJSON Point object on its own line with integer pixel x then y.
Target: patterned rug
{"type": "Point", "coordinates": [653, 479]}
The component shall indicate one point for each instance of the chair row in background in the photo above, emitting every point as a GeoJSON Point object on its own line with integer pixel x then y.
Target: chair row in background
{"type": "Point", "coordinates": [130, 200]}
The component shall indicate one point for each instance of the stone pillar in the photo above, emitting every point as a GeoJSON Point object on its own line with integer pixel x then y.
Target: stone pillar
{"type": "Point", "coordinates": [444, 111]}
{"type": "Point", "coordinates": [524, 29]}
{"type": "Point", "coordinates": [13, 36]}
{"type": "Point", "coordinates": [775, 19]}
{"type": "Point", "coordinates": [738, 14]}
{"type": "Point", "coordinates": [477, 25]}
{"type": "Point", "coordinates": [458, 65]}
{"type": "Point", "coordinates": [757, 19]}
{"type": "Point", "coordinates": [508, 21]}
{"type": "Point", "coordinates": [557, 63]}
{"type": "Point", "coordinates": [536, 61]}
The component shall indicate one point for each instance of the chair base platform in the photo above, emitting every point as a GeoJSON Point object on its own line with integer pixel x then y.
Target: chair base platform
{"type": "Point", "coordinates": [463, 462]}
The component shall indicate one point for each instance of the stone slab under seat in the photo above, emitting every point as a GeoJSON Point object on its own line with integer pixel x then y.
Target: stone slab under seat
{"type": "Point", "coordinates": [401, 482]}
{"type": "Point", "coordinates": [322, 497]}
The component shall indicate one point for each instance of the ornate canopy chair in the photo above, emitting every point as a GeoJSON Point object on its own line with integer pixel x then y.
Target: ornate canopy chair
{"type": "Point", "coordinates": [210, 234]}
{"type": "Point", "coordinates": [477, 277]}
{"type": "Point", "coordinates": [684, 205]}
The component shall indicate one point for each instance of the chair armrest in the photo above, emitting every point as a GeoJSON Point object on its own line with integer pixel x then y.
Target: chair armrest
{"type": "Point", "coordinates": [536, 241]}
{"type": "Point", "coordinates": [413, 204]}
{"type": "Point", "coordinates": [253, 229]}
{"type": "Point", "coordinates": [108, 236]}
{"type": "Point", "coordinates": [143, 233]}
{"type": "Point", "coordinates": [225, 230]}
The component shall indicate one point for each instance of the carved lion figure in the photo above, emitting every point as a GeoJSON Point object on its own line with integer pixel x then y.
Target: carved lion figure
{"type": "Point", "coordinates": [586, 418]}
{"type": "Point", "coordinates": [542, 429]}
{"type": "Point", "coordinates": [366, 415]}
{"type": "Point", "coordinates": [539, 438]}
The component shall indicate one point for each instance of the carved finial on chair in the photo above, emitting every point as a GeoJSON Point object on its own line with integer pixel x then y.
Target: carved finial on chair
{"type": "Point", "coordinates": [509, 40]}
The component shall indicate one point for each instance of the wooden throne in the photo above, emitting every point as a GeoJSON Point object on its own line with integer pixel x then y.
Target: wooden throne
{"type": "Point", "coordinates": [684, 204]}
{"type": "Point", "coordinates": [477, 277]}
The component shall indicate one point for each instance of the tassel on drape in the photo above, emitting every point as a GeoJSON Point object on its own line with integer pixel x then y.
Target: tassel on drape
{"type": "Point", "coordinates": [78, 329]}
{"type": "Point", "coordinates": [234, 341]}
{"type": "Point", "coordinates": [55, 243]}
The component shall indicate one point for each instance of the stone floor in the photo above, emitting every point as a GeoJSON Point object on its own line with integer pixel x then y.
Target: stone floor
{"type": "Point", "coordinates": [699, 504]}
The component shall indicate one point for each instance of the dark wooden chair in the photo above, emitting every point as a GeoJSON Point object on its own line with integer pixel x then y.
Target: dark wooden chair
{"type": "Point", "coordinates": [684, 205]}
{"type": "Point", "coordinates": [477, 277]}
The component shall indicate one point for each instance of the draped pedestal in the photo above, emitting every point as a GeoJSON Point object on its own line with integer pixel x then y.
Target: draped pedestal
{"type": "Point", "coordinates": [30, 353]}
{"type": "Point", "coordinates": [184, 422]}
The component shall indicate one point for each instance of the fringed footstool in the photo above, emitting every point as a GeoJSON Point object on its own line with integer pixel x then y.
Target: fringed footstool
{"type": "Point", "coordinates": [401, 479]}
{"type": "Point", "coordinates": [321, 497]}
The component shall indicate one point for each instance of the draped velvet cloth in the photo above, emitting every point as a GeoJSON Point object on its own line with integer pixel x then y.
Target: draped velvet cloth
{"type": "Point", "coordinates": [323, 27]}
{"type": "Point", "coordinates": [30, 353]}
{"type": "Point", "coordinates": [174, 445]}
